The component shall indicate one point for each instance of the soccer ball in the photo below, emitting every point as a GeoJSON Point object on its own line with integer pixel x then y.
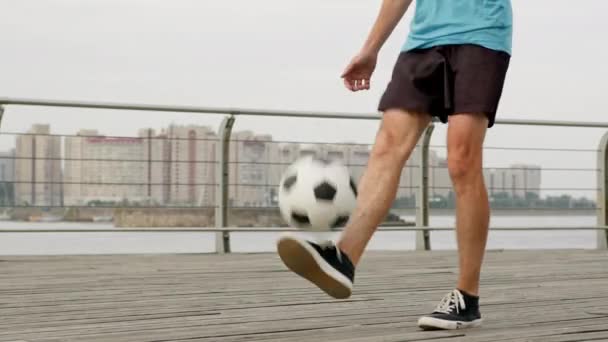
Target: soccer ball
{"type": "Point", "coordinates": [316, 194]}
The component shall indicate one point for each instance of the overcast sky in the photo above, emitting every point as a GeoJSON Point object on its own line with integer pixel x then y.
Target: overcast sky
{"type": "Point", "coordinates": [286, 54]}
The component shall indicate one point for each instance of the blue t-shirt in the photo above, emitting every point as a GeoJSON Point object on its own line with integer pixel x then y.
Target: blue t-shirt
{"type": "Point", "coordinates": [488, 23]}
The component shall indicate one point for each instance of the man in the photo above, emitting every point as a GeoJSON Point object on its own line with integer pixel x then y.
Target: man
{"type": "Point", "coordinates": [452, 66]}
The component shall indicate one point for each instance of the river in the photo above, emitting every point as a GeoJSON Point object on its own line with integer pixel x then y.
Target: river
{"type": "Point", "coordinates": [197, 242]}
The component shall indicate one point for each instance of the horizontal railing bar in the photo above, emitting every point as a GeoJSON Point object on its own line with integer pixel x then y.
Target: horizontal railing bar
{"type": "Point", "coordinates": [163, 161]}
{"type": "Point", "coordinates": [256, 112]}
{"type": "Point", "coordinates": [111, 183]}
{"type": "Point", "coordinates": [528, 188]}
{"type": "Point", "coordinates": [267, 163]}
{"type": "Point", "coordinates": [111, 160]}
{"type": "Point", "coordinates": [553, 123]}
{"type": "Point", "coordinates": [183, 109]}
{"type": "Point", "coordinates": [295, 142]}
{"type": "Point", "coordinates": [543, 149]}
{"type": "Point", "coordinates": [430, 166]}
{"type": "Point", "coordinates": [277, 229]}
{"type": "Point", "coordinates": [505, 208]}
{"type": "Point", "coordinates": [289, 163]}
{"type": "Point", "coordinates": [143, 139]}
{"type": "Point", "coordinates": [524, 168]}
{"type": "Point", "coordinates": [266, 185]}
{"type": "Point", "coordinates": [437, 187]}
{"type": "Point", "coordinates": [116, 206]}
{"type": "Point", "coordinates": [165, 138]}
{"type": "Point", "coordinates": [143, 161]}
{"type": "Point", "coordinates": [529, 209]}
{"type": "Point", "coordinates": [451, 209]}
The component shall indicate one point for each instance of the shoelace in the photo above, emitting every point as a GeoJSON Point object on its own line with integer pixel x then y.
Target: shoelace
{"type": "Point", "coordinates": [329, 244]}
{"type": "Point", "coordinates": [452, 301]}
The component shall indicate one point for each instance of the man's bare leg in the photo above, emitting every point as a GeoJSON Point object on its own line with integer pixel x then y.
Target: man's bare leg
{"type": "Point", "coordinates": [466, 133]}
{"type": "Point", "coordinates": [397, 137]}
{"type": "Point", "coordinates": [331, 267]}
{"type": "Point", "coordinates": [460, 308]}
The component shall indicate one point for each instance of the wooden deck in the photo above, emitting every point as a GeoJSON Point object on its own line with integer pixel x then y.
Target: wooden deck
{"type": "Point", "coordinates": [532, 296]}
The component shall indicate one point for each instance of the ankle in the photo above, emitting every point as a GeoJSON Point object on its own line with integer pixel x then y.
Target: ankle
{"type": "Point", "coordinates": [469, 290]}
{"type": "Point", "coordinates": [471, 300]}
{"type": "Point", "coordinates": [351, 255]}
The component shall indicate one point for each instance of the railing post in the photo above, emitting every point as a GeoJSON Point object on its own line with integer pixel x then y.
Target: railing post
{"type": "Point", "coordinates": [423, 237]}
{"type": "Point", "coordinates": [3, 183]}
{"type": "Point", "coordinates": [222, 238]}
{"type": "Point", "coordinates": [602, 193]}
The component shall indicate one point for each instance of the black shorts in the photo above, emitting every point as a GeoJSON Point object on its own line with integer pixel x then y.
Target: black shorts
{"type": "Point", "coordinates": [448, 79]}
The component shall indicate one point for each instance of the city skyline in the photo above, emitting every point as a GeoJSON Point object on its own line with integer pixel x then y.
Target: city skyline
{"type": "Point", "coordinates": [175, 165]}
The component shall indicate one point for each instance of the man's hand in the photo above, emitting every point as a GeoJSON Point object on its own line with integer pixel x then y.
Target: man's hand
{"type": "Point", "coordinates": [358, 73]}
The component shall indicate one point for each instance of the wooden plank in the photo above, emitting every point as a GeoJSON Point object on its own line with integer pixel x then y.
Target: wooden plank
{"type": "Point", "coordinates": [535, 295]}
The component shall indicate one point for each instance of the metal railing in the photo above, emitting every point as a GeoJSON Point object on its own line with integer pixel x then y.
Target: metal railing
{"type": "Point", "coordinates": [421, 227]}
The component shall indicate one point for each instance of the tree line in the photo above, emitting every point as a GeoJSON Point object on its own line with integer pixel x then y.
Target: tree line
{"type": "Point", "coordinates": [504, 200]}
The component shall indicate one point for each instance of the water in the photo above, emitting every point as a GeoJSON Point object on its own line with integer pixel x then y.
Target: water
{"type": "Point", "coordinates": [200, 242]}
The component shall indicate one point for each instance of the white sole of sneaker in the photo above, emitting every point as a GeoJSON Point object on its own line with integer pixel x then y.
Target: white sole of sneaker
{"type": "Point", "coordinates": [303, 259]}
{"type": "Point", "coordinates": [430, 323]}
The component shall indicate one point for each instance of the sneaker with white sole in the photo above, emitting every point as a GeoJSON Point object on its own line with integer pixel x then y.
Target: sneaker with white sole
{"type": "Point", "coordinates": [457, 310]}
{"type": "Point", "coordinates": [323, 264]}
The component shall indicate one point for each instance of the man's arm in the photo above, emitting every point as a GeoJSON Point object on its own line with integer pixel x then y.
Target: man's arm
{"type": "Point", "coordinates": [390, 14]}
{"type": "Point", "coordinates": [358, 73]}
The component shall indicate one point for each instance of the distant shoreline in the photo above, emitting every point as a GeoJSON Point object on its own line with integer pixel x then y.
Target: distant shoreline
{"type": "Point", "coordinates": [507, 212]}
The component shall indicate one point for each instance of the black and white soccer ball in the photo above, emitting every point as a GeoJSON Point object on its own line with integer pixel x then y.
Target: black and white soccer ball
{"type": "Point", "coordinates": [317, 195]}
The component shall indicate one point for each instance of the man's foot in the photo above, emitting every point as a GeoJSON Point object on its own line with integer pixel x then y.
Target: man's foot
{"type": "Point", "coordinates": [457, 310]}
{"type": "Point", "coordinates": [322, 264]}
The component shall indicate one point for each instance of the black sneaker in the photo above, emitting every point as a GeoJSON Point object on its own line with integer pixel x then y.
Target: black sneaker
{"type": "Point", "coordinates": [322, 264]}
{"type": "Point", "coordinates": [457, 310]}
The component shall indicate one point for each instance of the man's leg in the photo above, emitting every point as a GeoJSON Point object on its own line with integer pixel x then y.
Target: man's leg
{"type": "Point", "coordinates": [460, 307]}
{"type": "Point", "coordinates": [395, 140]}
{"type": "Point", "coordinates": [332, 267]}
{"type": "Point", "coordinates": [477, 83]}
{"type": "Point", "coordinates": [466, 133]}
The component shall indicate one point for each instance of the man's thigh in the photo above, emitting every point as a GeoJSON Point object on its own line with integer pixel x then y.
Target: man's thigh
{"type": "Point", "coordinates": [479, 75]}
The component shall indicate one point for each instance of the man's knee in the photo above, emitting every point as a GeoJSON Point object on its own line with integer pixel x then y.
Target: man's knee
{"type": "Point", "coordinates": [464, 163]}
{"type": "Point", "coordinates": [465, 144]}
{"type": "Point", "coordinates": [387, 141]}
{"type": "Point", "coordinates": [398, 133]}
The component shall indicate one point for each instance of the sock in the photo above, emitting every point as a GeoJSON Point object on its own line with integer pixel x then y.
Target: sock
{"type": "Point", "coordinates": [470, 300]}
